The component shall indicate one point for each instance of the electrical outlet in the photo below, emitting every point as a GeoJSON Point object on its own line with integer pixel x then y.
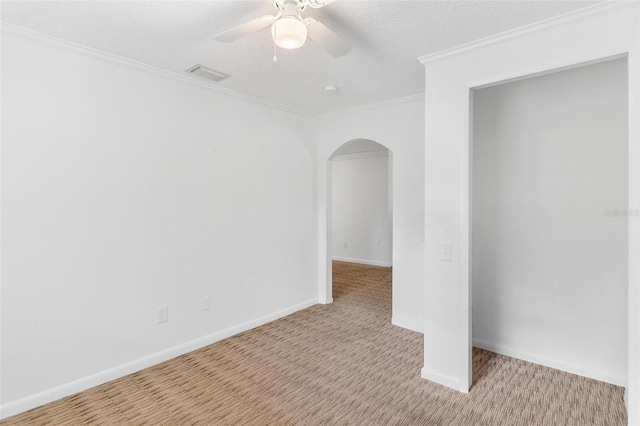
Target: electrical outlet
{"type": "Point", "coordinates": [206, 303]}
{"type": "Point", "coordinates": [344, 245]}
{"type": "Point", "coordinates": [162, 314]}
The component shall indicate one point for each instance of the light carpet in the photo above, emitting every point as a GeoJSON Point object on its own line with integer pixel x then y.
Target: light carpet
{"type": "Point", "coordinates": [338, 364]}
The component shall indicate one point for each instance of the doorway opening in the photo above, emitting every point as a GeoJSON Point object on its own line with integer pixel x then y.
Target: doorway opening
{"type": "Point", "coordinates": [549, 219]}
{"type": "Point", "coordinates": [359, 214]}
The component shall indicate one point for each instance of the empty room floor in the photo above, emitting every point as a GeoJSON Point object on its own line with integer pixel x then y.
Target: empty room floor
{"type": "Point", "coordinates": [338, 364]}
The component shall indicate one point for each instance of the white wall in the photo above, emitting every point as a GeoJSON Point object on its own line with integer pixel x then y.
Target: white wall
{"type": "Point", "coordinates": [602, 31]}
{"type": "Point", "coordinates": [361, 222]}
{"type": "Point", "coordinates": [549, 265]}
{"type": "Point", "coordinates": [399, 126]}
{"type": "Point", "coordinates": [124, 190]}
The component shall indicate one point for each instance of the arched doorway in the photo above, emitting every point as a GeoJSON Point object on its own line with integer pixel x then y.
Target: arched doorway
{"type": "Point", "coordinates": [359, 220]}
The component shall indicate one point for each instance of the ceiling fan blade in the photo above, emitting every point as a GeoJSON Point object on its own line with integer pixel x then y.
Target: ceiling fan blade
{"type": "Point", "coordinates": [245, 29]}
{"type": "Point", "coordinates": [326, 38]}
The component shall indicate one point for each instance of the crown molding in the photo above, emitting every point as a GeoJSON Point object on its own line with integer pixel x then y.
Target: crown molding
{"type": "Point", "coordinates": [16, 30]}
{"type": "Point", "coordinates": [376, 105]}
{"type": "Point", "coordinates": [19, 31]}
{"type": "Point", "coordinates": [526, 30]}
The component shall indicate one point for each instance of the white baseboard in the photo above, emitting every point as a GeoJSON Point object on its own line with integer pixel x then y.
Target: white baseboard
{"type": "Point", "coordinates": [408, 324]}
{"type": "Point", "coordinates": [442, 379]}
{"type": "Point", "coordinates": [326, 301]}
{"type": "Point", "coordinates": [558, 365]}
{"type": "Point", "coordinates": [15, 407]}
{"type": "Point", "coordinates": [364, 261]}
{"type": "Point", "coordinates": [626, 399]}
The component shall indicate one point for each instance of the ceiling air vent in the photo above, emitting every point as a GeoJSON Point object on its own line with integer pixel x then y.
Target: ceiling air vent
{"type": "Point", "coordinates": [207, 73]}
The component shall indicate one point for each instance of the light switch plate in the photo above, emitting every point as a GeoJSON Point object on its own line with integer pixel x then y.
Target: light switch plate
{"type": "Point", "coordinates": [445, 252]}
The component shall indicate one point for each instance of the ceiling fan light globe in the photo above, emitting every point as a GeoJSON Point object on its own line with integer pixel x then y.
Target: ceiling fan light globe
{"type": "Point", "coordinates": [289, 33]}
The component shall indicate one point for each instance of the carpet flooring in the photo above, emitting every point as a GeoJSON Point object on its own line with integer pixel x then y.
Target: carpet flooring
{"type": "Point", "coordinates": [338, 364]}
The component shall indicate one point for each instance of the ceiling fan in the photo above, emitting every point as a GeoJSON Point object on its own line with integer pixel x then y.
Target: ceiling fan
{"type": "Point", "coordinates": [290, 30]}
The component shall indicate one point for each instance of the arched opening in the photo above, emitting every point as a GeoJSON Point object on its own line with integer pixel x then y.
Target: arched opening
{"type": "Point", "coordinates": [359, 209]}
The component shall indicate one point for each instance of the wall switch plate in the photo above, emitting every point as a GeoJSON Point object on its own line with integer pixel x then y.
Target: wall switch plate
{"type": "Point", "coordinates": [206, 303]}
{"type": "Point", "coordinates": [445, 252]}
{"type": "Point", "coordinates": [162, 314]}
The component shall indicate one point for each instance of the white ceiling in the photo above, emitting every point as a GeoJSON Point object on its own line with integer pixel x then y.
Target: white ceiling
{"type": "Point", "coordinates": [387, 37]}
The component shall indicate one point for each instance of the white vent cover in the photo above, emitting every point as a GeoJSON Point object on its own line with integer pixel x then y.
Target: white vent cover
{"type": "Point", "coordinates": [207, 73]}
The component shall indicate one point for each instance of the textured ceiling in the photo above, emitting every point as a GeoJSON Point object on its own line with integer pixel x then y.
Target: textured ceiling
{"type": "Point", "coordinates": [387, 37]}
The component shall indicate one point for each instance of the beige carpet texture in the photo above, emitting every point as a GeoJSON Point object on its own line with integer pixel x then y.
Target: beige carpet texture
{"type": "Point", "coordinates": [338, 364]}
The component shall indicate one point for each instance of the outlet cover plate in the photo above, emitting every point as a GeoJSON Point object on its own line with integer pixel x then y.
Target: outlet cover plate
{"type": "Point", "coordinates": [162, 314]}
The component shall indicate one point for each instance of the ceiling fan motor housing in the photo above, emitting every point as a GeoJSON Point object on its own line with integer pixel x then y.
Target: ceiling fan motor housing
{"type": "Point", "coordinates": [290, 5]}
